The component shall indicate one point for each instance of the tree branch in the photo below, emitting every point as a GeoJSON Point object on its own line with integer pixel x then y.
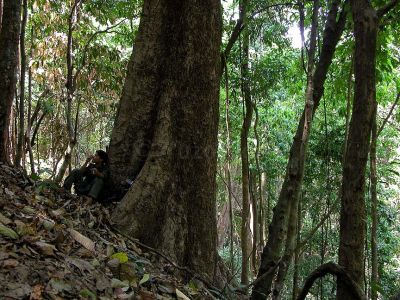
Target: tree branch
{"type": "Point", "coordinates": [388, 116]}
{"type": "Point", "coordinates": [85, 49]}
{"type": "Point", "coordinates": [270, 6]}
{"type": "Point", "coordinates": [239, 27]}
{"type": "Point", "coordinates": [339, 272]}
{"type": "Point", "coordinates": [302, 244]}
{"type": "Point", "coordinates": [386, 8]}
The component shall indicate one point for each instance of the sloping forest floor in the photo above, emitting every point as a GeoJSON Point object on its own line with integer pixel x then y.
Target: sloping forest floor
{"type": "Point", "coordinates": [53, 246]}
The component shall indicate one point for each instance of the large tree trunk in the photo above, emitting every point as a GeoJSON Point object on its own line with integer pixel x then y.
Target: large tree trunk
{"type": "Point", "coordinates": [352, 215]}
{"type": "Point", "coordinates": [9, 38]}
{"type": "Point", "coordinates": [166, 132]}
{"type": "Point", "coordinates": [295, 168]}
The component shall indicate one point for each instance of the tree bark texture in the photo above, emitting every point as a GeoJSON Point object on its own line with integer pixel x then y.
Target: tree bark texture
{"type": "Point", "coordinates": [348, 106]}
{"type": "Point", "coordinates": [295, 168]}
{"type": "Point", "coordinates": [29, 122]}
{"type": "Point", "coordinates": [244, 152]}
{"type": "Point", "coordinates": [352, 215]}
{"type": "Point", "coordinates": [21, 129]}
{"type": "Point", "coordinates": [259, 245]}
{"type": "Point", "coordinates": [297, 257]}
{"type": "Point", "coordinates": [165, 133]}
{"type": "Point", "coordinates": [228, 168]}
{"type": "Point", "coordinates": [289, 251]}
{"type": "Point", "coordinates": [374, 213]}
{"type": "Point", "coordinates": [9, 38]}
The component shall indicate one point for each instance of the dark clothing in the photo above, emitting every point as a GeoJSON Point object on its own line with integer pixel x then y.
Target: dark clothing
{"type": "Point", "coordinates": [85, 183]}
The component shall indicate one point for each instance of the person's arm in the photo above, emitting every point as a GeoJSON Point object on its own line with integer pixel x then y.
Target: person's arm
{"type": "Point", "coordinates": [88, 160]}
{"type": "Point", "coordinates": [103, 174]}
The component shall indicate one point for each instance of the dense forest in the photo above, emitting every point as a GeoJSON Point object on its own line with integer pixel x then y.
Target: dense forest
{"type": "Point", "coordinates": [260, 140]}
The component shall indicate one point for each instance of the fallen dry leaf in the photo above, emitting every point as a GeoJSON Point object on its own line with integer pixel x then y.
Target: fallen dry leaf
{"type": "Point", "coordinates": [180, 295]}
{"type": "Point", "coordinates": [81, 264]}
{"type": "Point", "coordinates": [24, 229]}
{"type": "Point", "coordinates": [4, 255]}
{"type": "Point", "coordinates": [8, 232]}
{"type": "Point", "coordinates": [10, 263]}
{"type": "Point", "coordinates": [4, 219]}
{"type": "Point", "coordinates": [46, 249]}
{"type": "Point", "coordinates": [83, 240]}
{"type": "Point", "coordinates": [144, 295]}
{"type": "Point", "coordinates": [36, 293]}
{"type": "Point", "coordinates": [8, 192]}
{"type": "Point", "coordinates": [57, 213]}
{"type": "Point", "coordinates": [17, 291]}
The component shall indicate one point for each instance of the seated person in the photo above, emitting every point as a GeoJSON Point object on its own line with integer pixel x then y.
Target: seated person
{"type": "Point", "coordinates": [89, 180]}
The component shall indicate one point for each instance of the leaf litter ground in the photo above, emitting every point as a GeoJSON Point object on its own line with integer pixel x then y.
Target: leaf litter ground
{"type": "Point", "coordinates": [53, 246]}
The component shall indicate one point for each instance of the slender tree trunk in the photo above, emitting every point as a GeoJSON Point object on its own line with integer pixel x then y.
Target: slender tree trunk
{"type": "Point", "coordinates": [295, 167]}
{"type": "Point", "coordinates": [367, 264]}
{"type": "Point", "coordinates": [29, 124]}
{"type": "Point", "coordinates": [245, 239]}
{"type": "Point", "coordinates": [348, 106]}
{"type": "Point", "coordinates": [228, 167]}
{"type": "Point", "coordinates": [21, 128]}
{"type": "Point", "coordinates": [1, 13]}
{"type": "Point", "coordinates": [70, 85]}
{"type": "Point", "coordinates": [254, 223]}
{"type": "Point", "coordinates": [297, 255]}
{"type": "Point", "coordinates": [12, 140]}
{"type": "Point", "coordinates": [374, 201]}
{"type": "Point", "coordinates": [8, 66]}
{"type": "Point", "coordinates": [29, 121]}
{"type": "Point", "coordinates": [352, 216]}
{"type": "Point", "coordinates": [36, 128]}
{"type": "Point", "coordinates": [289, 251]}
{"type": "Point", "coordinates": [166, 132]}
{"type": "Point", "coordinates": [264, 215]}
{"type": "Point", "coordinates": [260, 212]}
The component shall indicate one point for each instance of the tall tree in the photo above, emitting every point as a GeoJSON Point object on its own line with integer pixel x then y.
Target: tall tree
{"type": "Point", "coordinates": [352, 214]}
{"type": "Point", "coordinates": [21, 131]}
{"type": "Point", "coordinates": [70, 92]}
{"type": "Point", "coordinates": [374, 200]}
{"type": "Point", "coordinates": [228, 167]}
{"type": "Point", "coordinates": [289, 194]}
{"type": "Point", "coordinates": [244, 152]}
{"type": "Point", "coordinates": [165, 134]}
{"type": "Point", "coordinates": [374, 211]}
{"type": "Point", "coordinates": [9, 38]}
